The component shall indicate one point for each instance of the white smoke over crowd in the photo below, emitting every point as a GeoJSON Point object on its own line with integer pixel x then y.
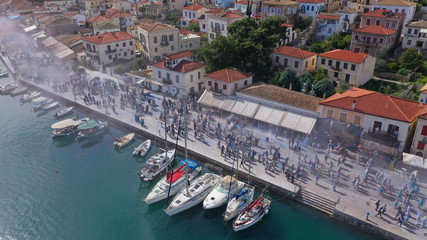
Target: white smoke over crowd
{"type": "Point", "coordinates": [30, 58]}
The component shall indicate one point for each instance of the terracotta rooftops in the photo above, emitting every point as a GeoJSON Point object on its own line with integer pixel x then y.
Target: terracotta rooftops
{"type": "Point", "coordinates": [328, 16]}
{"type": "Point", "coordinates": [382, 13]}
{"type": "Point", "coordinates": [311, 1]}
{"type": "Point", "coordinates": [280, 2]}
{"type": "Point", "coordinates": [283, 96]}
{"type": "Point", "coordinates": [287, 25]}
{"type": "Point", "coordinates": [375, 29]}
{"type": "Point", "coordinates": [156, 27]}
{"type": "Point", "coordinates": [395, 3]}
{"type": "Point", "coordinates": [98, 19]}
{"type": "Point", "coordinates": [184, 66]}
{"type": "Point", "coordinates": [345, 55]}
{"type": "Point", "coordinates": [228, 75]}
{"type": "Point", "coordinates": [227, 14]}
{"type": "Point", "coordinates": [108, 37]}
{"type": "Point", "coordinates": [193, 7]}
{"type": "Point", "coordinates": [179, 55]}
{"type": "Point", "coordinates": [294, 52]}
{"type": "Point", "coordinates": [119, 14]}
{"type": "Point", "coordinates": [385, 106]}
{"type": "Point", "coordinates": [216, 10]}
{"type": "Point", "coordinates": [243, 2]}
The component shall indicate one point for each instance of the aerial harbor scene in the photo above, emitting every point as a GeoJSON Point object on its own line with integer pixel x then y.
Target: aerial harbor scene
{"type": "Point", "coordinates": [276, 119]}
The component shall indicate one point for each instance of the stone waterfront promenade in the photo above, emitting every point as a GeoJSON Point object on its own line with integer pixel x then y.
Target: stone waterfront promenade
{"type": "Point", "coordinates": [345, 203]}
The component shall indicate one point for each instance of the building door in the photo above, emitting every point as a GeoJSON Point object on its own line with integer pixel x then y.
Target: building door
{"type": "Point", "coordinates": [216, 86]}
{"type": "Point", "coordinates": [377, 125]}
{"type": "Point", "coordinates": [392, 130]}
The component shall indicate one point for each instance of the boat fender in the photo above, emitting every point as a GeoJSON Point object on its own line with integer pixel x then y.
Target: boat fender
{"type": "Point", "coordinates": [128, 170]}
{"type": "Point", "coordinates": [56, 171]}
{"type": "Point", "coordinates": [80, 154]}
{"type": "Point", "coordinates": [120, 148]}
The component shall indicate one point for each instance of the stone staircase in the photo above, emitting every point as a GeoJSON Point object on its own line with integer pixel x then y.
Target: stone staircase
{"type": "Point", "coordinates": [317, 202]}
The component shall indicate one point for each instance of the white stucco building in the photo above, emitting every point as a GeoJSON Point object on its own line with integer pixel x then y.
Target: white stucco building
{"type": "Point", "coordinates": [397, 6]}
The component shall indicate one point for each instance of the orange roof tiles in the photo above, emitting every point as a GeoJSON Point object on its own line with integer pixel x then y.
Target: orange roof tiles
{"type": "Point", "coordinates": [184, 66]}
{"type": "Point", "coordinates": [113, 10]}
{"type": "Point", "coordinates": [108, 37]}
{"type": "Point", "coordinates": [193, 7]}
{"type": "Point", "coordinates": [98, 19]}
{"type": "Point", "coordinates": [382, 13]}
{"type": "Point", "coordinates": [345, 55]}
{"type": "Point", "coordinates": [376, 104]}
{"type": "Point", "coordinates": [294, 52]}
{"type": "Point", "coordinates": [375, 29]}
{"type": "Point", "coordinates": [179, 55]}
{"type": "Point", "coordinates": [228, 75]}
{"type": "Point", "coordinates": [215, 10]}
{"type": "Point", "coordinates": [243, 2]}
{"type": "Point", "coordinates": [287, 25]}
{"type": "Point", "coordinates": [324, 16]}
{"type": "Point", "coordinates": [118, 15]}
{"type": "Point", "coordinates": [227, 14]}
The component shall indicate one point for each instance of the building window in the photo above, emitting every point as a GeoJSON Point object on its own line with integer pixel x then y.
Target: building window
{"type": "Point", "coordinates": [403, 11]}
{"type": "Point", "coordinates": [110, 57]}
{"type": "Point", "coordinates": [266, 9]}
{"type": "Point", "coordinates": [409, 30]}
{"type": "Point", "coordinates": [224, 87]}
{"type": "Point", "coordinates": [393, 25]}
{"type": "Point", "coordinates": [356, 37]}
{"type": "Point", "coordinates": [330, 63]}
{"type": "Point", "coordinates": [186, 14]}
{"type": "Point", "coordinates": [357, 120]}
{"type": "Point", "coordinates": [381, 40]}
{"type": "Point", "coordinates": [285, 62]}
{"type": "Point", "coordinates": [124, 44]}
{"type": "Point", "coordinates": [294, 10]}
{"type": "Point", "coordinates": [420, 145]}
{"type": "Point", "coordinates": [345, 65]}
{"type": "Point", "coordinates": [130, 43]}
{"type": "Point", "coordinates": [235, 86]}
{"type": "Point", "coordinates": [289, 11]}
{"type": "Point", "coordinates": [171, 38]}
{"type": "Point", "coordinates": [222, 27]}
{"type": "Point", "coordinates": [209, 83]}
{"type": "Point", "coordinates": [409, 42]}
{"type": "Point", "coordinates": [337, 64]}
{"type": "Point", "coordinates": [306, 64]}
{"type": "Point", "coordinates": [353, 67]}
{"type": "Point", "coordinates": [277, 59]}
{"type": "Point", "coordinates": [125, 54]}
{"type": "Point", "coordinates": [368, 21]}
{"type": "Point", "coordinates": [296, 64]}
{"type": "Point", "coordinates": [336, 74]}
{"type": "Point", "coordinates": [191, 78]}
{"type": "Point", "coordinates": [329, 113]}
{"type": "Point", "coordinates": [378, 22]}
{"type": "Point", "coordinates": [246, 82]}
{"type": "Point", "coordinates": [343, 117]}
{"type": "Point", "coordinates": [424, 131]}
{"type": "Point", "coordinates": [155, 49]}
{"type": "Point", "coordinates": [279, 11]}
{"type": "Point", "coordinates": [155, 39]}
{"type": "Point", "coordinates": [415, 31]}
{"type": "Point", "coordinates": [168, 76]}
{"type": "Point", "coordinates": [199, 75]}
{"type": "Point", "coordinates": [347, 77]}
{"type": "Point", "coordinates": [323, 61]}
{"type": "Point", "coordinates": [117, 45]}
{"type": "Point", "coordinates": [131, 52]}
{"type": "Point", "coordinates": [177, 79]}
{"type": "Point", "coordinates": [172, 47]}
{"type": "Point", "coordinates": [312, 61]}
{"type": "Point", "coordinates": [159, 74]}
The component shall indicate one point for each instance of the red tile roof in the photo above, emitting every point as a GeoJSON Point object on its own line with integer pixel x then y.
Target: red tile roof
{"type": "Point", "coordinates": [228, 75]}
{"type": "Point", "coordinates": [382, 13]}
{"type": "Point", "coordinates": [287, 25]}
{"type": "Point", "coordinates": [227, 14]}
{"type": "Point", "coordinates": [294, 52]}
{"type": "Point", "coordinates": [345, 55]}
{"type": "Point", "coordinates": [108, 37]}
{"type": "Point", "coordinates": [98, 19]}
{"type": "Point", "coordinates": [113, 10]}
{"type": "Point", "coordinates": [376, 104]}
{"type": "Point", "coordinates": [193, 7]}
{"type": "Point", "coordinates": [179, 55]}
{"type": "Point", "coordinates": [311, 1]}
{"type": "Point", "coordinates": [184, 31]}
{"type": "Point", "coordinates": [156, 27]}
{"type": "Point", "coordinates": [184, 66]}
{"type": "Point", "coordinates": [118, 15]}
{"type": "Point", "coordinates": [243, 2]}
{"type": "Point", "coordinates": [375, 29]}
{"type": "Point", "coordinates": [324, 16]}
{"type": "Point", "coordinates": [215, 10]}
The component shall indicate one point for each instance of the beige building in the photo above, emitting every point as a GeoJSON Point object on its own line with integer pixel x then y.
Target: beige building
{"type": "Point", "coordinates": [121, 19]}
{"type": "Point", "coordinates": [178, 74]}
{"type": "Point", "coordinates": [104, 28]}
{"type": "Point", "coordinates": [295, 59]}
{"type": "Point", "coordinates": [93, 6]}
{"type": "Point", "coordinates": [419, 142]}
{"type": "Point", "coordinates": [283, 8]}
{"type": "Point", "coordinates": [219, 22]}
{"type": "Point", "coordinates": [415, 36]}
{"type": "Point", "coordinates": [227, 81]}
{"type": "Point", "coordinates": [189, 41]}
{"type": "Point", "coordinates": [57, 24]}
{"type": "Point", "coordinates": [347, 66]}
{"type": "Point", "coordinates": [98, 21]}
{"type": "Point", "coordinates": [122, 5]}
{"type": "Point", "coordinates": [105, 48]}
{"type": "Point", "coordinates": [158, 40]}
{"type": "Point", "coordinates": [191, 13]}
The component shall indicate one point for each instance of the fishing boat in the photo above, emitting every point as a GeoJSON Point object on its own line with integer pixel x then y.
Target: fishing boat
{"type": "Point", "coordinates": [173, 181]}
{"type": "Point", "coordinates": [18, 91]}
{"type": "Point", "coordinates": [8, 88]}
{"type": "Point", "coordinates": [50, 106]}
{"type": "Point", "coordinates": [30, 96]}
{"type": "Point", "coordinates": [63, 112]}
{"type": "Point", "coordinates": [252, 214]}
{"type": "Point", "coordinates": [198, 189]}
{"type": "Point", "coordinates": [4, 74]}
{"type": "Point", "coordinates": [41, 104]}
{"type": "Point", "coordinates": [142, 149]}
{"type": "Point", "coordinates": [91, 128]}
{"type": "Point", "coordinates": [123, 141]}
{"type": "Point", "coordinates": [239, 203]}
{"type": "Point", "coordinates": [39, 99]}
{"type": "Point", "coordinates": [155, 165]}
{"type": "Point", "coordinates": [67, 127]}
{"type": "Point", "coordinates": [222, 192]}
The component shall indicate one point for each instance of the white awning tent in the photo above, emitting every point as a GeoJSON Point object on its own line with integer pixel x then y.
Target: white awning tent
{"type": "Point", "coordinates": [263, 113]}
{"type": "Point", "coordinates": [30, 28]}
{"type": "Point", "coordinates": [276, 117]}
{"type": "Point", "coordinates": [250, 109]}
{"type": "Point", "coordinates": [298, 123]}
{"type": "Point", "coordinates": [423, 30]}
{"type": "Point", "coordinates": [414, 160]}
{"type": "Point", "coordinates": [239, 106]}
{"type": "Point", "coordinates": [228, 104]}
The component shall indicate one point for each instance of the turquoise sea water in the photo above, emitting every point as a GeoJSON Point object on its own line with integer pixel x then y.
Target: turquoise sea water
{"type": "Point", "coordinates": [63, 189]}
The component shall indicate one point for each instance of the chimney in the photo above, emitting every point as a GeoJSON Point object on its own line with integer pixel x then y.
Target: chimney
{"type": "Point", "coordinates": [290, 86]}
{"type": "Point", "coordinates": [353, 105]}
{"type": "Point", "coordinates": [351, 87]}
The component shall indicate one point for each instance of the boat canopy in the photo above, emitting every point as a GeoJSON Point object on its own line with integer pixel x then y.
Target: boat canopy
{"type": "Point", "coordinates": [88, 125]}
{"type": "Point", "coordinates": [227, 178]}
{"type": "Point", "coordinates": [191, 164]}
{"type": "Point", "coordinates": [64, 123]}
{"type": "Point", "coordinates": [39, 99]}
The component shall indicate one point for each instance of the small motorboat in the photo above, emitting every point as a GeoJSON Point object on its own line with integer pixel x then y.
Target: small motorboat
{"type": "Point", "coordinates": [67, 127]}
{"type": "Point", "coordinates": [252, 214]}
{"type": "Point", "coordinates": [142, 149]}
{"type": "Point", "coordinates": [41, 104]}
{"type": "Point", "coordinates": [39, 99]}
{"type": "Point", "coordinates": [8, 88]}
{"type": "Point", "coordinates": [91, 128]}
{"type": "Point", "coordinates": [123, 141]}
{"type": "Point", "coordinates": [30, 96]}
{"type": "Point", "coordinates": [63, 112]}
{"type": "Point", "coordinates": [227, 188]}
{"type": "Point", "coordinates": [50, 106]}
{"type": "Point", "coordinates": [18, 91]}
{"type": "Point", "coordinates": [156, 165]}
{"type": "Point", "coordinates": [4, 74]}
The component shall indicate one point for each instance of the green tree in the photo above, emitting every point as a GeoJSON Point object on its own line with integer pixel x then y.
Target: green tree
{"type": "Point", "coordinates": [410, 59]}
{"type": "Point", "coordinates": [218, 54]}
{"type": "Point", "coordinates": [139, 63]}
{"type": "Point", "coordinates": [194, 26]}
{"type": "Point", "coordinates": [306, 80]}
{"type": "Point", "coordinates": [275, 79]}
{"type": "Point", "coordinates": [142, 9]}
{"type": "Point", "coordinates": [319, 74]}
{"type": "Point", "coordinates": [287, 78]}
{"type": "Point", "coordinates": [324, 87]}
{"type": "Point", "coordinates": [381, 65]}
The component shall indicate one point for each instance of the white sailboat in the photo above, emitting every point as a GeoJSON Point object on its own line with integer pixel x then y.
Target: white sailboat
{"type": "Point", "coordinates": [222, 192]}
{"type": "Point", "coordinates": [197, 191]}
{"type": "Point", "coordinates": [173, 181]}
{"type": "Point", "coordinates": [239, 203]}
{"type": "Point", "coordinates": [253, 214]}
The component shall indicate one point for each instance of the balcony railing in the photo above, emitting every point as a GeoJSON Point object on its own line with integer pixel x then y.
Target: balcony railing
{"type": "Point", "coordinates": [111, 51]}
{"type": "Point", "coordinates": [370, 43]}
{"type": "Point", "coordinates": [336, 69]}
{"type": "Point", "coordinates": [164, 43]}
{"type": "Point", "coordinates": [165, 81]}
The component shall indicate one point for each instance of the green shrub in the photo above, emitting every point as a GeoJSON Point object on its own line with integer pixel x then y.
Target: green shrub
{"type": "Point", "coordinates": [403, 71]}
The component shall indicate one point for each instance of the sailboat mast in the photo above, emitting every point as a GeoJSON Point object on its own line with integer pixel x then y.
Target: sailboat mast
{"type": "Point", "coordinates": [232, 171]}
{"type": "Point", "coordinates": [186, 135]}
{"type": "Point", "coordinates": [165, 107]}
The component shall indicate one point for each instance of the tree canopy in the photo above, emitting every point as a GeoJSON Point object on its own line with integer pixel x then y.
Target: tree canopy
{"type": "Point", "coordinates": [194, 26]}
{"type": "Point", "coordinates": [324, 87]}
{"type": "Point", "coordinates": [410, 59]}
{"type": "Point", "coordinates": [336, 41]}
{"type": "Point", "coordinates": [248, 47]}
